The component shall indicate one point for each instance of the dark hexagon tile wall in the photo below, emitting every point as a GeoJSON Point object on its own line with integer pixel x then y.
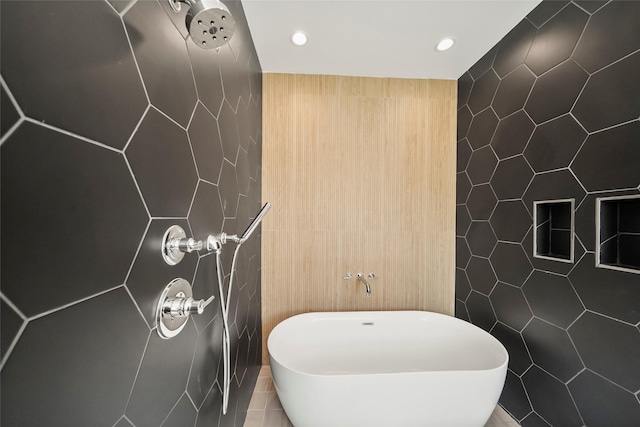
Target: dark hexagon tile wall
{"type": "Point", "coordinates": [94, 182]}
{"type": "Point", "coordinates": [573, 330]}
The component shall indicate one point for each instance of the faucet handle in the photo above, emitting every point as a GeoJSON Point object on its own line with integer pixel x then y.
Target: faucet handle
{"type": "Point", "coordinates": [348, 276]}
{"type": "Point", "coordinates": [371, 276]}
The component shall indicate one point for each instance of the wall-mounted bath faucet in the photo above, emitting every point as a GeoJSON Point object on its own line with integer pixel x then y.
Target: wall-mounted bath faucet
{"type": "Point", "coordinates": [361, 278]}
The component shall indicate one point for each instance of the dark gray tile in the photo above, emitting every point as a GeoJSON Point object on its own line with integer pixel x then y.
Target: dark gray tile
{"type": "Point", "coordinates": [206, 71]}
{"type": "Point", "coordinates": [463, 187]}
{"type": "Point", "coordinates": [610, 35]}
{"type": "Point", "coordinates": [552, 298]}
{"type": "Point", "coordinates": [206, 215]}
{"type": "Point", "coordinates": [463, 154]}
{"type": "Point", "coordinates": [150, 273]}
{"type": "Point", "coordinates": [481, 202]}
{"type": "Point", "coordinates": [231, 78]}
{"type": "Point", "coordinates": [205, 141]}
{"type": "Point", "coordinates": [554, 144]}
{"type": "Point", "coordinates": [483, 91]}
{"type": "Point", "coordinates": [511, 309]}
{"type": "Point", "coordinates": [510, 263]}
{"type": "Point", "coordinates": [513, 91]}
{"type": "Point", "coordinates": [182, 414]}
{"type": "Point", "coordinates": [464, 121]}
{"type": "Point", "coordinates": [89, 368]}
{"type": "Point", "coordinates": [243, 172]}
{"type": "Point", "coordinates": [229, 190]}
{"type": "Point", "coordinates": [166, 193]}
{"type": "Point", "coordinates": [514, 399]}
{"type": "Point", "coordinates": [591, 6]}
{"type": "Point", "coordinates": [463, 220]}
{"type": "Point", "coordinates": [482, 128]}
{"type": "Point", "coordinates": [461, 311]}
{"type": "Point", "coordinates": [120, 5]}
{"type": "Point", "coordinates": [613, 293]}
{"type": "Point", "coordinates": [609, 348]}
{"type": "Point", "coordinates": [480, 311]}
{"type": "Point", "coordinates": [602, 403]}
{"type": "Point", "coordinates": [178, 18]}
{"type": "Point", "coordinates": [93, 103]}
{"type": "Point", "coordinates": [157, 387]}
{"type": "Point", "coordinates": [463, 253]}
{"type": "Point", "coordinates": [605, 100]}
{"type": "Point", "coordinates": [512, 135]}
{"type": "Point", "coordinates": [511, 221]}
{"type": "Point", "coordinates": [465, 82]}
{"type": "Point", "coordinates": [228, 126]}
{"type": "Point", "coordinates": [513, 48]}
{"type": "Point", "coordinates": [553, 266]}
{"type": "Point", "coordinates": [534, 420]}
{"type": "Point", "coordinates": [553, 186]}
{"type": "Point", "coordinates": [555, 92]}
{"type": "Point", "coordinates": [545, 10]}
{"type": "Point", "coordinates": [481, 238]}
{"type": "Point", "coordinates": [207, 366]}
{"type": "Point", "coordinates": [169, 84]}
{"type": "Point", "coordinates": [555, 40]}
{"type": "Point", "coordinates": [10, 323]}
{"type": "Point", "coordinates": [124, 423]}
{"type": "Point", "coordinates": [205, 284]}
{"type": "Point", "coordinates": [550, 398]}
{"type": "Point", "coordinates": [552, 350]}
{"type": "Point", "coordinates": [9, 115]}
{"type": "Point", "coordinates": [483, 64]}
{"type": "Point", "coordinates": [463, 288]}
{"type": "Point", "coordinates": [211, 410]}
{"type": "Point", "coordinates": [481, 165]}
{"type": "Point", "coordinates": [605, 161]}
{"type": "Point", "coordinates": [76, 190]}
{"type": "Point", "coordinates": [519, 360]}
{"type": "Point", "coordinates": [481, 275]}
{"type": "Point", "coordinates": [511, 178]}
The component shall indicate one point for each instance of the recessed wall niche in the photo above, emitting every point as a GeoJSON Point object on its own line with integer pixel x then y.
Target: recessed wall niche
{"type": "Point", "coordinates": [554, 225]}
{"type": "Point", "coordinates": [618, 233]}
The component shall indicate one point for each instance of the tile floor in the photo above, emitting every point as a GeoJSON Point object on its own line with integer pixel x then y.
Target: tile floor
{"type": "Point", "coordinates": [265, 409]}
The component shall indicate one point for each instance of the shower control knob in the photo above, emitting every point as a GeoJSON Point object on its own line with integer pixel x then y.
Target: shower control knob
{"type": "Point", "coordinates": [174, 307]}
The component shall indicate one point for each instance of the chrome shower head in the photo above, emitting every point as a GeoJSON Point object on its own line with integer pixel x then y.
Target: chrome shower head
{"type": "Point", "coordinates": [254, 224]}
{"type": "Point", "coordinates": [209, 22]}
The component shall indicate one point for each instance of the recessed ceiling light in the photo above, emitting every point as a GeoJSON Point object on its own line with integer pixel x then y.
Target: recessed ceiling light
{"type": "Point", "coordinates": [445, 44]}
{"type": "Point", "coordinates": [299, 38]}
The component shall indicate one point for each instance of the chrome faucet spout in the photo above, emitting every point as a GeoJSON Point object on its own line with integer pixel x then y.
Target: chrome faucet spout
{"type": "Point", "coordinates": [366, 284]}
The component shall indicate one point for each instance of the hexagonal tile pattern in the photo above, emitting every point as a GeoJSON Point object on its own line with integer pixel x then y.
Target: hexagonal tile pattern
{"type": "Point", "coordinates": [513, 91]}
{"type": "Point", "coordinates": [463, 220]}
{"type": "Point", "coordinates": [465, 82]}
{"type": "Point", "coordinates": [166, 194]}
{"type": "Point", "coordinates": [482, 128]}
{"type": "Point", "coordinates": [510, 263]}
{"type": "Point", "coordinates": [463, 154]}
{"type": "Point", "coordinates": [608, 36]}
{"type": "Point", "coordinates": [463, 253]}
{"type": "Point", "coordinates": [207, 363]}
{"type": "Point", "coordinates": [554, 144]}
{"type": "Point", "coordinates": [464, 121]}
{"type": "Point", "coordinates": [552, 298]}
{"type": "Point", "coordinates": [205, 284]}
{"type": "Point", "coordinates": [481, 202]}
{"type": "Point", "coordinates": [65, 179]}
{"type": "Point", "coordinates": [481, 275]}
{"type": "Point", "coordinates": [484, 89]}
{"type": "Point", "coordinates": [609, 153]}
{"type": "Point", "coordinates": [11, 324]}
{"type": "Point", "coordinates": [512, 135]}
{"type": "Point", "coordinates": [43, 352]}
{"type": "Point", "coordinates": [552, 350]}
{"type": "Point", "coordinates": [10, 115]}
{"type": "Point", "coordinates": [575, 138]}
{"type": "Point", "coordinates": [228, 132]}
{"type": "Point", "coordinates": [183, 412]}
{"type": "Point", "coordinates": [206, 72]}
{"type": "Point", "coordinates": [511, 221]}
{"type": "Point", "coordinates": [609, 348]}
{"type": "Point", "coordinates": [463, 187]}
{"type": "Point", "coordinates": [229, 190]}
{"type": "Point", "coordinates": [205, 141]}
{"type": "Point", "coordinates": [481, 165]}
{"type": "Point", "coordinates": [605, 101]}
{"type": "Point", "coordinates": [170, 84]}
{"type": "Point", "coordinates": [555, 40]}
{"type": "Point", "coordinates": [511, 308]}
{"type": "Point", "coordinates": [555, 92]}
{"type": "Point", "coordinates": [206, 215]}
{"type": "Point", "coordinates": [481, 238]}
{"type": "Point", "coordinates": [91, 103]}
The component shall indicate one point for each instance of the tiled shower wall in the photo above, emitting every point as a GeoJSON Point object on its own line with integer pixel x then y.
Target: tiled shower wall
{"type": "Point", "coordinates": [552, 113]}
{"type": "Point", "coordinates": [115, 126]}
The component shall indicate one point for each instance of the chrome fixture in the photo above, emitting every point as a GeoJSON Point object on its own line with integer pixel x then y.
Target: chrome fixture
{"type": "Point", "coordinates": [175, 244]}
{"type": "Point", "coordinates": [209, 22]}
{"type": "Point", "coordinates": [214, 244]}
{"type": "Point", "coordinates": [174, 307]}
{"type": "Point", "coordinates": [348, 276]}
{"type": "Point", "coordinates": [366, 284]}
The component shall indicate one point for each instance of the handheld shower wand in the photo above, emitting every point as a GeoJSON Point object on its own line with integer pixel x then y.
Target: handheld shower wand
{"type": "Point", "coordinates": [214, 244]}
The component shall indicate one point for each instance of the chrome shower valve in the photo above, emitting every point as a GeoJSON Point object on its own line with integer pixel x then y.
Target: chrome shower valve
{"type": "Point", "coordinates": [174, 307]}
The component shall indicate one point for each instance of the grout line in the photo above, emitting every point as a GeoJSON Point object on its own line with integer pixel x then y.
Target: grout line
{"type": "Point", "coordinates": [48, 312]}
{"type": "Point", "coordinates": [71, 134]}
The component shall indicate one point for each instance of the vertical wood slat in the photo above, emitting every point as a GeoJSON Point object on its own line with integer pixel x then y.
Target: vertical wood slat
{"type": "Point", "coordinates": [361, 176]}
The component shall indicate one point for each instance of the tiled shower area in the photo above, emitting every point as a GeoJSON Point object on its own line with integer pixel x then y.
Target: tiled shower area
{"type": "Point", "coordinates": [550, 116]}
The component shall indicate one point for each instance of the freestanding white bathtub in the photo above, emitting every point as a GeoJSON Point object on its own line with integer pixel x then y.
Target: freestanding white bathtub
{"type": "Point", "coordinates": [386, 369]}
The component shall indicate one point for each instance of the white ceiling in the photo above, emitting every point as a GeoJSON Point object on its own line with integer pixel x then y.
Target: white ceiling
{"type": "Point", "coordinates": [375, 38]}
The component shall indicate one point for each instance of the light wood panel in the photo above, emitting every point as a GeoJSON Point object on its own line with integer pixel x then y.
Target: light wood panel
{"type": "Point", "coordinates": [360, 173]}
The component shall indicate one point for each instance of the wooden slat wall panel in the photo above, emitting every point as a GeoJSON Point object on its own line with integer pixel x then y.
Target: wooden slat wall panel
{"type": "Point", "coordinates": [361, 176]}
